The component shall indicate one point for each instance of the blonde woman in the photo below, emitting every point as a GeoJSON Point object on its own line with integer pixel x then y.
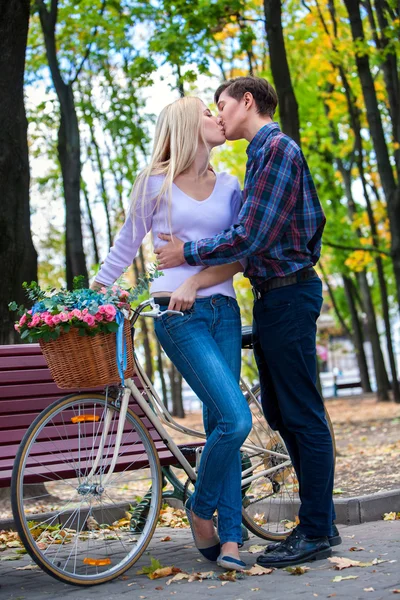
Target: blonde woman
{"type": "Point", "coordinates": [179, 193]}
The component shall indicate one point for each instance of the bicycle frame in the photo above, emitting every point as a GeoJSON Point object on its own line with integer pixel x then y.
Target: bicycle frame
{"type": "Point", "coordinates": [157, 413]}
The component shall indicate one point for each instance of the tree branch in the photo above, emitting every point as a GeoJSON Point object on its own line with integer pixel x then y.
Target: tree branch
{"type": "Point", "coordinates": [89, 48]}
{"type": "Point", "coordinates": [356, 248]}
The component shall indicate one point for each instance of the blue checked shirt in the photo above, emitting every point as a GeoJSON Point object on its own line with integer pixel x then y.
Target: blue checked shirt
{"type": "Point", "coordinates": [281, 221]}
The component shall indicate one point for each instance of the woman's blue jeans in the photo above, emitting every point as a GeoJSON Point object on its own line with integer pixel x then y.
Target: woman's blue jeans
{"type": "Point", "coordinates": [205, 347]}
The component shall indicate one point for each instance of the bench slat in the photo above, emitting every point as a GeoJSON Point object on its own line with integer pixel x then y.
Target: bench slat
{"type": "Point", "coordinates": [20, 349]}
{"type": "Point", "coordinates": [22, 362]}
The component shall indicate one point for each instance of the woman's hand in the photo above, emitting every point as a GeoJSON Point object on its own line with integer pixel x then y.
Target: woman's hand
{"type": "Point", "coordinates": [184, 297]}
{"type": "Point", "coordinates": [96, 286]}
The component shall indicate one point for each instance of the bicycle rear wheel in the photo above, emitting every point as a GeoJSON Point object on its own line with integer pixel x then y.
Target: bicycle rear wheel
{"type": "Point", "coordinates": [270, 501]}
{"type": "Point", "coordinates": [83, 528]}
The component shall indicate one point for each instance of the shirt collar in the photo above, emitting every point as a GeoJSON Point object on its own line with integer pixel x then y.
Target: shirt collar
{"type": "Point", "coordinates": [259, 139]}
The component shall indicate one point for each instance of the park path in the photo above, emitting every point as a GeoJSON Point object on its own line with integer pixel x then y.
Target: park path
{"type": "Point", "coordinates": [379, 539]}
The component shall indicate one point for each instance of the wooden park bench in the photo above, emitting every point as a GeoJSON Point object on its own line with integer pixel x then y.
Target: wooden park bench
{"type": "Point", "coordinates": [26, 388]}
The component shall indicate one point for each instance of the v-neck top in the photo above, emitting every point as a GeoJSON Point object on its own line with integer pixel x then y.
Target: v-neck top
{"type": "Point", "coordinates": [190, 219]}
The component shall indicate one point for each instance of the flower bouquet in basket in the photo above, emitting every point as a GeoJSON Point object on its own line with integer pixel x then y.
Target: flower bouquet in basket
{"type": "Point", "coordinates": [84, 334]}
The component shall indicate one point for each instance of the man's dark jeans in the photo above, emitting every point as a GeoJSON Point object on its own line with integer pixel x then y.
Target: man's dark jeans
{"type": "Point", "coordinates": [285, 351]}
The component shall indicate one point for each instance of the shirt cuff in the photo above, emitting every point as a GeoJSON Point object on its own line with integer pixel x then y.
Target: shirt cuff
{"type": "Point", "coordinates": [191, 254]}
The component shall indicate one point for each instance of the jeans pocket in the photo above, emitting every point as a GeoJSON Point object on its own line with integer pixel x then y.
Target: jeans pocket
{"type": "Point", "coordinates": [174, 321]}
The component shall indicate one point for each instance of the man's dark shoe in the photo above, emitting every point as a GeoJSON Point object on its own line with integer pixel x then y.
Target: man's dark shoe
{"type": "Point", "coordinates": [296, 549]}
{"type": "Point", "coordinates": [334, 540]}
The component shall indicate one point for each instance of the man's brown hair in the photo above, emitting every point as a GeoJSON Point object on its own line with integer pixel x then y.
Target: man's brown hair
{"type": "Point", "coordinates": [264, 95]}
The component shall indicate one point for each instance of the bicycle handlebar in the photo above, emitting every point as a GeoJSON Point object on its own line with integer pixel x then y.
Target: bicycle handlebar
{"type": "Point", "coordinates": [154, 313]}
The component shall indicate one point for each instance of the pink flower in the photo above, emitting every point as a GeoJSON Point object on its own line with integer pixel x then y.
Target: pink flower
{"type": "Point", "coordinates": [103, 290]}
{"type": "Point", "coordinates": [76, 313]}
{"type": "Point", "coordinates": [64, 317]}
{"type": "Point", "coordinates": [124, 294]}
{"type": "Point", "coordinates": [35, 320]}
{"type": "Point", "coordinates": [22, 320]}
{"type": "Point", "coordinates": [56, 319]}
{"type": "Point", "coordinates": [16, 327]}
{"type": "Point", "coordinates": [89, 319]}
{"type": "Point", "coordinates": [84, 312]}
{"type": "Point", "coordinates": [110, 310]}
{"type": "Point", "coordinates": [98, 316]}
{"type": "Point", "coordinates": [102, 309]}
{"type": "Point", "coordinates": [49, 320]}
{"type": "Point", "coordinates": [29, 312]}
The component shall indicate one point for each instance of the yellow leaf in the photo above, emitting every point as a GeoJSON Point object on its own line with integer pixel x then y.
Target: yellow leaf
{"type": "Point", "coordinates": [258, 570]}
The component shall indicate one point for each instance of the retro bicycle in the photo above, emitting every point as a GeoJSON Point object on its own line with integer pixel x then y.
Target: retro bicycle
{"type": "Point", "coordinates": [100, 457]}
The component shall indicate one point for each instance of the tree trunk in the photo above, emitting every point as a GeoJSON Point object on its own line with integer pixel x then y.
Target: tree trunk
{"type": "Point", "coordinates": [18, 256]}
{"type": "Point", "coordinates": [68, 149]}
{"type": "Point", "coordinates": [176, 392]}
{"type": "Point", "coordinates": [357, 336]}
{"type": "Point", "coordinates": [382, 382]}
{"type": "Point", "coordinates": [103, 189]}
{"type": "Point", "coordinates": [288, 107]}
{"type": "Point", "coordinates": [385, 169]}
{"type": "Point", "coordinates": [148, 360]}
{"type": "Point", "coordinates": [91, 223]}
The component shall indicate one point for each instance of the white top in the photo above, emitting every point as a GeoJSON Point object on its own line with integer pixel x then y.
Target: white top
{"type": "Point", "coordinates": [190, 220]}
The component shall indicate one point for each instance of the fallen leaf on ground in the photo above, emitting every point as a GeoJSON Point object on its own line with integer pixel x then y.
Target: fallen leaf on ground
{"type": "Point", "coordinates": [341, 578]}
{"type": "Point", "coordinates": [338, 491]}
{"type": "Point", "coordinates": [154, 565]}
{"type": "Point", "coordinates": [343, 563]}
{"type": "Point", "coordinates": [395, 591]}
{"type": "Point", "coordinates": [256, 548]}
{"type": "Point", "coordinates": [258, 570]}
{"type": "Point", "coordinates": [371, 589]}
{"type": "Point", "coordinates": [224, 582]}
{"type": "Point", "coordinates": [163, 572]}
{"type": "Point", "coordinates": [159, 587]}
{"type": "Point", "coordinates": [178, 577]}
{"type": "Point", "coordinates": [297, 570]}
{"type": "Point", "coordinates": [30, 567]}
{"type": "Point", "coordinates": [228, 576]}
{"type": "Point", "coordinates": [356, 549]}
{"type": "Point", "coordinates": [166, 539]}
{"type": "Point", "coordinates": [391, 516]}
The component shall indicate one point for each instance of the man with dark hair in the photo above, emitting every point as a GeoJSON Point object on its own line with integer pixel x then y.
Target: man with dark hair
{"type": "Point", "coordinates": [279, 232]}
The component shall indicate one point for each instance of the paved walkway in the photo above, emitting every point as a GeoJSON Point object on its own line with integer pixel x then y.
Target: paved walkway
{"type": "Point", "coordinates": [380, 539]}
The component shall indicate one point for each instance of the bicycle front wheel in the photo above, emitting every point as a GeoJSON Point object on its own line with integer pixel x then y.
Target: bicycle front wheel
{"type": "Point", "coordinates": [84, 523]}
{"type": "Point", "coordinates": [270, 489]}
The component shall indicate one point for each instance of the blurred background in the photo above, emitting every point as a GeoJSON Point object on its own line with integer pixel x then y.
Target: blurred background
{"type": "Point", "coordinates": [82, 85]}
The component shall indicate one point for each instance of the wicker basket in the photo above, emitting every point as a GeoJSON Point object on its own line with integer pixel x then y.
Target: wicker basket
{"type": "Point", "coordinates": [86, 361]}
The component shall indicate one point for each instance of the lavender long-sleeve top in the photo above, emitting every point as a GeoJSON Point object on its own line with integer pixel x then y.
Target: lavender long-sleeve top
{"type": "Point", "coordinates": [190, 220]}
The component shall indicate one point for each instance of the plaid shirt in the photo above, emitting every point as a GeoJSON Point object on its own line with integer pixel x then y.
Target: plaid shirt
{"type": "Point", "coordinates": [281, 221]}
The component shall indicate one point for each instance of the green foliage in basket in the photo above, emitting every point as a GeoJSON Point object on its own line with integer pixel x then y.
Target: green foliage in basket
{"type": "Point", "coordinates": [91, 312]}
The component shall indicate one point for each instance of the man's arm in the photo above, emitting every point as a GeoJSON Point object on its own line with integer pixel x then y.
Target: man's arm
{"type": "Point", "coordinates": [184, 296]}
{"type": "Point", "coordinates": [263, 219]}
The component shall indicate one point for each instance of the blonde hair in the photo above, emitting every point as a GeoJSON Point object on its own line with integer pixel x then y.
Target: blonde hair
{"type": "Point", "coordinates": [176, 142]}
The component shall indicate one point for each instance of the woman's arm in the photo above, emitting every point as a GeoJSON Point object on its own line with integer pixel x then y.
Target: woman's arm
{"type": "Point", "coordinates": [125, 247]}
{"type": "Point", "coordinates": [183, 298]}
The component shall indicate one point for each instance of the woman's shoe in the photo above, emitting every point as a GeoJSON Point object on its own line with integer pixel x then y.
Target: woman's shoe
{"type": "Point", "coordinates": [230, 562]}
{"type": "Point", "coordinates": [211, 548]}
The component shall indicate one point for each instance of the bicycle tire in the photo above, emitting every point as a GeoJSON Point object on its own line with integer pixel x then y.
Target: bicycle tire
{"type": "Point", "coordinates": [17, 486]}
